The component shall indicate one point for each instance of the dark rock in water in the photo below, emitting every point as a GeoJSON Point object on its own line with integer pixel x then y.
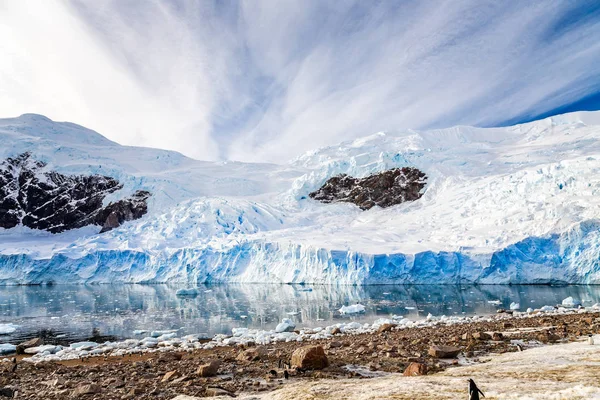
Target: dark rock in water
{"type": "Point", "coordinates": [40, 199]}
{"type": "Point", "coordinates": [383, 189]}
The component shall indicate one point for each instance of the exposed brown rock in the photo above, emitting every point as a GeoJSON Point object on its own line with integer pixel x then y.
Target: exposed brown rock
{"type": "Point", "coordinates": [90, 388]}
{"type": "Point", "coordinates": [38, 198]}
{"type": "Point", "coordinates": [170, 375]}
{"type": "Point", "coordinates": [415, 369]}
{"type": "Point", "coordinates": [252, 354]}
{"type": "Point", "coordinates": [443, 351]}
{"type": "Point", "coordinates": [383, 189]}
{"type": "Point", "coordinates": [386, 328]}
{"type": "Point", "coordinates": [209, 369]}
{"type": "Point", "coordinates": [481, 336]}
{"type": "Point", "coordinates": [310, 357]}
{"type": "Point", "coordinates": [29, 343]}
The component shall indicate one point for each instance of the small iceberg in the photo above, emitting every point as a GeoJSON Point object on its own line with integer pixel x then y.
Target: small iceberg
{"type": "Point", "coordinates": [571, 302]}
{"type": "Point", "coordinates": [48, 348]}
{"type": "Point", "coordinates": [190, 292]}
{"type": "Point", "coordinates": [353, 309]}
{"type": "Point", "coordinates": [7, 348]}
{"type": "Point", "coordinates": [83, 345]}
{"type": "Point", "coordinates": [156, 334]}
{"type": "Point", "coordinates": [514, 306]}
{"type": "Point", "coordinates": [286, 325]}
{"type": "Point", "coordinates": [6, 329]}
{"type": "Point", "coordinates": [494, 302]}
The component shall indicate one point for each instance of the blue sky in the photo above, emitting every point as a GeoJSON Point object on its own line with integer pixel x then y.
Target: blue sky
{"type": "Point", "coordinates": [268, 80]}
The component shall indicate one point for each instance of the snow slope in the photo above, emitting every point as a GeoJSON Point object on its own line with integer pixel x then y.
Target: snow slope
{"type": "Point", "coordinates": [517, 204]}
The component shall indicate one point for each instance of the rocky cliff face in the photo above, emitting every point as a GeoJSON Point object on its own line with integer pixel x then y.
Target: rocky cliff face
{"type": "Point", "coordinates": [47, 200]}
{"type": "Point", "coordinates": [383, 189]}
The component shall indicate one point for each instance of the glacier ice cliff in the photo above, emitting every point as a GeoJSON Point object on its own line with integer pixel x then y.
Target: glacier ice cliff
{"type": "Point", "coordinates": [502, 205]}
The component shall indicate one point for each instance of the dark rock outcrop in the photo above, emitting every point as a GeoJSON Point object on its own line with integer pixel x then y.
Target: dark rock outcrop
{"type": "Point", "coordinates": [114, 214]}
{"type": "Point", "coordinates": [47, 200]}
{"type": "Point", "coordinates": [383, 189]}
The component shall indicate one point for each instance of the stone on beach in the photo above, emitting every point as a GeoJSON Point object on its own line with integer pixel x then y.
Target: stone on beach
{"type": "Point", "coordinates": [252, 354]}
{"type": "Point", "coordinates": [90, 388]}
{"type": "Point", "coordinates": [209, 369]}
{"type": "Point", "coordinates": [443, 351]}
{"type": "Point", "coordinates": [415, 369]}
{"type": "Point", "coordinates": [309, 357]}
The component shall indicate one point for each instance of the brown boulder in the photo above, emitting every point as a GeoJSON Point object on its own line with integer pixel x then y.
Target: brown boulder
{"type": "Point", "coordinates": [415, 369]}
{"type": "Point", "coordinates": [386, 328]}
{"type": "Point", "coordinates": [210, 369]}
{"type": "Point", "coordinates": [497, 336]}
{"type": "Point", "coordinates": [443, 351]}
{"type": "Point", "coordinates": [252, 354]}
{"type": "Point", "coordinates": [309, 357]}
{"type": "Point", "coordinates": [35, 342]}
{"type": "Point", "coordinates": [90, 388]}
{"type": "Point", "coordinates": [170, 375]}
{"type": "Point", "coordinates": [481, 336]}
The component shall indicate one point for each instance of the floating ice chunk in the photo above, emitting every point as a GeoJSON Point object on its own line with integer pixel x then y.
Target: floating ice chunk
{"type": "Point", "coordinates": [293, 313]}
{"type": "Point", "coordinates": [6, 329]}
{"type": "Point", "coordinates": [166, 336]}
{"type": "Point", "coordinates": [495, 302]}
{"type": "Point", "coordinates": [7, 348]}
{"type": "Point", "coordinates": [353, 309]}
{"type": "Point", "coordinates": [570, 302]}
{"type": "Point", "coordinates": [530, 310]}
{"type": "Point", "coordinates": [352, 326]}
{"type": "Point", "coordinates": [547, 308]}
{"type": "Point", "coordinates": [156, 334]}
{"type": "Point", "coordinates": [46, 349]}
{"type": "Point", "coordinates": [140, 331]}
{"type": "Point", "coordinates": [514, 306]}
{"type": "Point", "coordinates": [410, 308]}
{"type": "Point", "coordinates": [83, 345]}
{"type": "Point", "coordinates": [190, 292]}
{"type": "Point", "coordinates": [382, 321]}
{"type": "Point", "coordinates": [286, 325]}
{"type": "Point", "coordinates": [149, 342]}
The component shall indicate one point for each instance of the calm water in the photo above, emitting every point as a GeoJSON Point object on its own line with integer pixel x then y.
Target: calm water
{"type": "Point", "coordinates": [71, 313]}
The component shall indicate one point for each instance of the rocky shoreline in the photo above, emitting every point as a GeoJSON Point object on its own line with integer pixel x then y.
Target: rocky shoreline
{"type": "Point", "coordinates": [228, 366]}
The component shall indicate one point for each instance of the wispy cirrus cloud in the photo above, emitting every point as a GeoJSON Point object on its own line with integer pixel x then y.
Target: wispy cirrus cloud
{"type": "Point", "coordinates": [265, 80]}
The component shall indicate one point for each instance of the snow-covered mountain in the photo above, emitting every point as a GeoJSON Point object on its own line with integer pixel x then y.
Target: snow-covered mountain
{"type": "Point", "coordinates": [519, 204]}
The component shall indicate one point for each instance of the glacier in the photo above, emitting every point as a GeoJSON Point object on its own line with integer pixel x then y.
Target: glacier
{"type": "Point", "coordinates": [506, 205]}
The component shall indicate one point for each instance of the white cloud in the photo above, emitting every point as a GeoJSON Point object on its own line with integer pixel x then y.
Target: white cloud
{"type": "Point", "coordinates": [265, 81]}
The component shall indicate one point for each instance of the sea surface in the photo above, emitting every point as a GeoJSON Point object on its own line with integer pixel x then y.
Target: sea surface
{"type": "Point", "coordinates": [65, 314]}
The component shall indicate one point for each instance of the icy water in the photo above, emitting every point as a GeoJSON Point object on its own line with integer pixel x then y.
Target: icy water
{"type": "Point", "coordinates": [72, 313]}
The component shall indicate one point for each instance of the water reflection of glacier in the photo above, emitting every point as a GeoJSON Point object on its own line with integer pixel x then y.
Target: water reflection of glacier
{"type": "Point", "coordinates": [76, 311]}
